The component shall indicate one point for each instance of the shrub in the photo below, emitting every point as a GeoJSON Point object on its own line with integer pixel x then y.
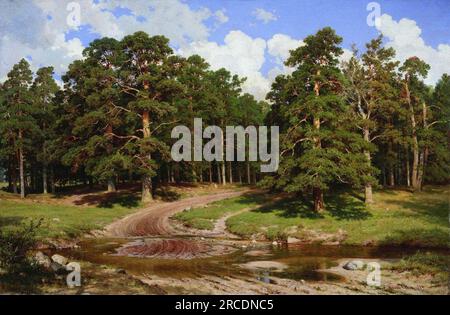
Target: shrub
{"type": "Point", "coordinates": [15, 245]}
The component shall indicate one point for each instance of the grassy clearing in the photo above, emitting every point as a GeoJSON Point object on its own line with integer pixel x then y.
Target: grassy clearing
{"type": "Point", "coordinates": [204, 218]}
{"type": "Point", "coordinates": [425, 263]}
{"type": "Point", "coordinates": [396, 218]}
{"type": "Point", "coordinates": [64, 221]}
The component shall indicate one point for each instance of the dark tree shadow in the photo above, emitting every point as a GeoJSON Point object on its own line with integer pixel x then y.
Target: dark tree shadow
{"type": "Point", "coordinates": [292, 207]}
{"type": "Point", "coordinates": [346, 207]}
{"type": "Point", "coordinates": [166, 194]}
{"type": "Point", "coordinates": [417, 238]}
{"type": "Point", "coordinates": [109, 200]}
{"type": "Point", "coordinates": [7, 221]}
{"type": "Point", "coordinates": [433, 210]}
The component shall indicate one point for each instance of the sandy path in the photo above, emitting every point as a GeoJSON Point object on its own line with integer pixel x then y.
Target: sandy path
{"type": "Point", "coordinates": [154, 220]}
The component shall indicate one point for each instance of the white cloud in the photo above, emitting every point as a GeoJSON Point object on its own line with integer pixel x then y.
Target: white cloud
{"type": "Point", "coordinates": [279, 47]}
{"type": "Point", "coordinates": [265, 16]}
{"type": "Point", "coordinates": [240, 54]}
{"type": "Point", "coordinates": [221, 17]}
{"type": "Point", "coordinates": [405, 37]}
{"type": "Point", "coordinates": [38, 28]}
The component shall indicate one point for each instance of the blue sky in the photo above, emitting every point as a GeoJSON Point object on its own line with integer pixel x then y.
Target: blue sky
{"type": "Point", "coordinates": [249, 37]}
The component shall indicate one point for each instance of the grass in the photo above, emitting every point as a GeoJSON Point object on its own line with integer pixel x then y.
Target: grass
{"type": "Point", "coordinates": [398, 217]}
{"type": "Point", "coordinates": [64, 221]}
{"type": "Point", "coordinates": [425, 263]}
{"type": "Point", "coordinates": [204, 217]}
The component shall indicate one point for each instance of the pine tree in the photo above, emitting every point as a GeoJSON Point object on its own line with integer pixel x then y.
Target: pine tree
{"type": "Point", "coordinates": [413, 70]}
{"type": "Point", "coordinates": [372, 96]}
{"type": "Point", "coordinates": [44, 89]}
{"type": "Point", "coordinates": [18, 125]}
{"type": "Point", "coordinates": [319, 145]}
{"type": "Point", "coordinates": [148, 79]}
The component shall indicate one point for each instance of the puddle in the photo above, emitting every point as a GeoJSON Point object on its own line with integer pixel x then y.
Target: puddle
{"type": "Point", "coordinates": [300, 262]}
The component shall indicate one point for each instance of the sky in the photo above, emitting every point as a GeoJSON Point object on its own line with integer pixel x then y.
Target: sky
{"type": "Point", "coordinates": [251, 38]}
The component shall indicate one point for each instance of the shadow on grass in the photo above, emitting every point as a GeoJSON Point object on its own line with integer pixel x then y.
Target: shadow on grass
{"type": "Point", "coordinates": [27, 281]}
{"type": "Point", "coordinates": [8, 221]}
{"type": "Point", "coordinates": [166, 194]}
{"type": "Point", "coordinates": [338, 206]}
{"type": "Point", "coordinates": [109, 200]}
{"type": "Point", "coordinates": [417, 238]}
{"type": "Point", "coordinates": [344, 207]}
{"type": "Point", "coordinates": [432, 210]}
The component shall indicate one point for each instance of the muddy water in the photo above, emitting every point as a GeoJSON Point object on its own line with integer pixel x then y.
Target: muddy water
{"type": "Point", "coordinates": [300, 262]}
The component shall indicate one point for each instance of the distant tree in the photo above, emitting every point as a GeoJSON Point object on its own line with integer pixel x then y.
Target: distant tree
{"type": "Point", "coordinates": [436, 119]}
{"type": "Point", "coordinates": [43, 91]}
{"type": "Point", "coordinates": [413, 96]}
{"type": "Point", "coordinates": [18, 125]}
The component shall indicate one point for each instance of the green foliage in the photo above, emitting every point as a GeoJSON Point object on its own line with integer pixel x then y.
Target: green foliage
{"type": "Point", "coordinates": [425, 263]}
{"type": "Point", "coordinates": [15, 246]}
{"type": "Point", "coordinates": [320, 146]}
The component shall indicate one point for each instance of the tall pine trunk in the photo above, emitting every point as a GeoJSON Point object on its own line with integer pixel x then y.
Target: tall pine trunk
{"type": "Point", "coordinates": [407, 170]}
{"type": "Point", "coordinates": [224, 178]}
{"type": "Point", "coordinates": [146, 179]}
{"type": "Point", "coordinates": [111, 181]}
{"type": "Point", "coordinates": [415, 147]}
{"type": "Point", "coordinates": [210, 173]}
{"type": "Point", "coordinates": [368, 196]}
{"type": "Point", "coordinates": [14, 179]}
{"type": "Point", "coordinates": [21, 169]}
{"type": "Point", "coordinates": [44, 179]}
{"type": "Point", "coordinates": [218, 173]}
{"type": "Point", "coordinates": [111, 185]}
{"type": "Point", "coordinates": [317, 192]}
{"type": "Point", "coordinates": [230, 172]}
{"type": "Point", "coordinates": [52, 180]}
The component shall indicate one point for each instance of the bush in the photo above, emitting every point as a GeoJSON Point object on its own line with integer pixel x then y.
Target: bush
{"type": "Point", "coordinates": [15, 246]}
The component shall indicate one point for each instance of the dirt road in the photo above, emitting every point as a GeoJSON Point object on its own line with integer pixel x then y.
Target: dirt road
{"type": "Point", "coordinates": [154, 220]}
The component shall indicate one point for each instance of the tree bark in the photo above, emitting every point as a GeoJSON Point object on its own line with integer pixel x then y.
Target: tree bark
{"type": "Point", "coordinates": [224, 178]}
{"type": "Point", "coordinates": [415, 148]}
{"type": "Point", "coordinates": [407, 170]}
{"type": "Point", "coordinates": [146, 179]}
{"type": "Point", "coordinates": [52, 180]}
{"type": "Point", "coordinates": [218, 173]}
{"type": "Point", "coordinates": [111, 185]}
{"type": "Point", "coordinates": [44, 179]}
{"type": "Point", "coordinates": [14, 179]}
{"type": "Point", "coordinates": [210, 172]}
{"type": "Point", "coordinates": [317, 192]}
{"type": "Point", "coordinates": [424, 155]}
{"type": "Point", "coordinates": [318, 199]}
{"type": "Point", "coordinates": [368, 196]}
{"type": "Point", "coordinates": [248, 173]}
{"type": "Point", "coordinates": [21, 174]}
{"type": "Point", "coordinates": [230, 172]}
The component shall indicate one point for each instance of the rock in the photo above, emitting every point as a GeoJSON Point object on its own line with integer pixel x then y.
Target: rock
{"type": "Point", "coordinates": [60, 259]}
{"type": "Point", "coordinates": [274, 243]}
{"type": "Point", "coordinates": [265, 265]}
{"type": "Point", "coordinates": [292, 240]}
{"type": "Point", "coordinates": [121, 271]}
{"type": "Point", "coordinates": [42, 259]}
{"type": "Point", "coordinates": [58, 268]}
{"type": "Point", "coordinates": [354, 265]}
